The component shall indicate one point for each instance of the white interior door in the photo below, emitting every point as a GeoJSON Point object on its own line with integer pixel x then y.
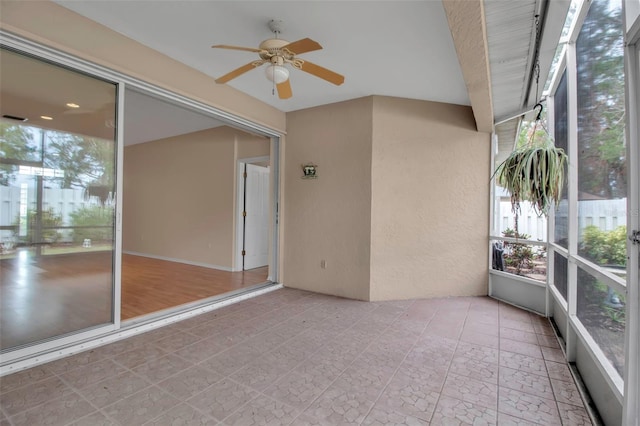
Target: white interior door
{"type": "Point", "coordinates": [256, 229]}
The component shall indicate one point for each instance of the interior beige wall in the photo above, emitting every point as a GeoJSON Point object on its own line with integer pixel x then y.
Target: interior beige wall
{"type": "Point", "coordinates": [53, 25]}
{"type": "Point", "coordinates": [429, 205]}
{"type": "Point", "coordinates": [250, 146]}
{"type": "Point", "coordinates": [329, 217]}
{"type": "Point", "coordinates": [179, 195]}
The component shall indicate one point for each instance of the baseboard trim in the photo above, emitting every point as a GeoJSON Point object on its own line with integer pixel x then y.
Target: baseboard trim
{"type": "Point", "coordinates": [186, 262]}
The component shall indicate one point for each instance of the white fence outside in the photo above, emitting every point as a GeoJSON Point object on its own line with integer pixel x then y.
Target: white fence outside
{"type": "Point", "coordinates": [607, 215]}
{"type": "Point", "coordinates": [63, 202]}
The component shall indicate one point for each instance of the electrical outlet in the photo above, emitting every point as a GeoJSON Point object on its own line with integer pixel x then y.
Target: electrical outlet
{"type": "Point", "coordinates": [323, 264]}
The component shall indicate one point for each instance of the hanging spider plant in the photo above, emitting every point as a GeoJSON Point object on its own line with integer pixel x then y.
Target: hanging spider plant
{"type": "Point", "coordinates": [534, 173]}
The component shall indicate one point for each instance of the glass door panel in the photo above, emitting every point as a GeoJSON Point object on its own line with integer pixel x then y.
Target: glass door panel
{"type": "Point", "coordinates": [57, 200]}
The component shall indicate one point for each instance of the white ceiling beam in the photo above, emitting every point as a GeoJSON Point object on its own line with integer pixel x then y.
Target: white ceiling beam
{"type": "Point", "coordinates": [468, 29]}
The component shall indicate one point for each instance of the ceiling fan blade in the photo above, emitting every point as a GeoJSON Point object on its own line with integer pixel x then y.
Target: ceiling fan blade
{"type": "Point", "coordinates": [284, 89]}
{"type": "Point", "coordinates": [237, 72]}
{"type": "Point", "coordinates": [323, 73]}
{"type": "Point", "coordinates": [247, 49]}
{"type": "Point", "coordinates": [302, 46]}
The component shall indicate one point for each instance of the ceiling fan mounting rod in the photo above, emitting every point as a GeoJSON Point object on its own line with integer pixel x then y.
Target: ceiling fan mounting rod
{"type": "Point", "coordinates": [276, 26]}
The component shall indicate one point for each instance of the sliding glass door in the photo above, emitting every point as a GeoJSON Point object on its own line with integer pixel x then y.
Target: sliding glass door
{"type": "Point", "coordinates": [57, 200]}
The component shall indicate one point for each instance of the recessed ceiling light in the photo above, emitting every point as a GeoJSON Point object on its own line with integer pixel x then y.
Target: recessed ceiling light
{"type": "Point", "coordinates": [15, 117]}
{"type": "Point", "coordinates": [72, 105]}
{"type": "Point", "coordinates": [46, 117]}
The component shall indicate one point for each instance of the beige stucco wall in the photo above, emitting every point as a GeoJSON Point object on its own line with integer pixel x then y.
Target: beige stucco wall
{"type": "Point", "coordinates": [179, 195]}
{"type": "Point", "coordinates": [429, 203]}
{"type": "Point", "coordinates": [52, 25]}
{"type": "Point", "coordinates": [400, 208]}
{"type": "Point", "coordinates": [329, 218]}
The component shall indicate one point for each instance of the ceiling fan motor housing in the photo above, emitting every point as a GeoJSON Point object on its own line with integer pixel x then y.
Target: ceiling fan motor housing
{"type": "Point", "coordinates": [273, 48]}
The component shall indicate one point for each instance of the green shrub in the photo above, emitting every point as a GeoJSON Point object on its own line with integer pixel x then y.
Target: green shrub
{"type": "Point", "coordinates": [605, 247]}
{"type": "Point", "coordinates": [49, 219]}
{"type": "Point", "coordinates": [94, 222]}
{"type": "Point", "coordinates": [517, 255]}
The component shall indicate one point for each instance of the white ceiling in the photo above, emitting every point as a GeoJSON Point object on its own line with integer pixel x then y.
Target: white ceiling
{"type": "Point", "coordinates": [391, 48]}
{"type": "Point", "coordinates": [148, 119]}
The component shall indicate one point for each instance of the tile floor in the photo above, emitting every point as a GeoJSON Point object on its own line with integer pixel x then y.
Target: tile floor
{"type": "Point", "coordinates": [293, 357]}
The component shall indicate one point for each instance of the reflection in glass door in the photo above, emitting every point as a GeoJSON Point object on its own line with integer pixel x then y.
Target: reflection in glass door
{"type": "Point", "coordinates": [57, 200]}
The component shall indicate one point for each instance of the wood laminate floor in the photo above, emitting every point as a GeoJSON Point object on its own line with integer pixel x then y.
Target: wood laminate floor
{"type": "Point", "coordinates": [150, 285]}
{"type": "Point", "coordinates": [48, 296]}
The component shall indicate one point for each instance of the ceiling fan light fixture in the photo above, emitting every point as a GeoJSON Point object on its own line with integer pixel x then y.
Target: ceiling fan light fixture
{"type": "Point", "coordinates": [277, 73]}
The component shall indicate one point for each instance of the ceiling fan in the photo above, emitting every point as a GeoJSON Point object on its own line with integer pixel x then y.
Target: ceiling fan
{"type": "Point", "coordinates": [277, 52]}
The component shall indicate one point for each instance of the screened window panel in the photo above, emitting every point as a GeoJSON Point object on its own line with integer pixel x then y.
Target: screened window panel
{"type": "Point", "coordinates": [561, 132]}
{"type": "Point", "coordinates": [602, 312]}
{"type": "Point", "coordinates": [601, 162]}
{"type": "Point", "coordinates": [560, 274]}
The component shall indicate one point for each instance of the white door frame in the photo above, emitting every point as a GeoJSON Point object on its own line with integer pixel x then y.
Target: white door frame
{"type": "Point", "coordinates": [631, 402]}
{"type": "Point", "coordinates": [239, 232]}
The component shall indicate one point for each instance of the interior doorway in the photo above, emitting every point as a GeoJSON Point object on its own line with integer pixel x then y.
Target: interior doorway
{"type": "Point", "coordinates": [252, 234]}
{"type": "Point", "coordinates": [180, 206]}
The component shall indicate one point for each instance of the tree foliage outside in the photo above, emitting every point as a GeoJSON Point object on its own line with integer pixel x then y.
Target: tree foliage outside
{"type": "Point", "coordinates": [87, 162]}
{"type": "Point", "coordinates": [601, 103]}
{"type": "Point", "coordinates": [78, 162]}
{"type": "Point", "coordinates": [605, 247]}
{"type": "Point", "coordinates": [94, 223]}
{"type": "Point", "coordinates": [16, 143]}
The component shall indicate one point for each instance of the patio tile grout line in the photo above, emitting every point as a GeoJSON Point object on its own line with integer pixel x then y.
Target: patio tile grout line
{"type": "Point", "coordinates": [449, 365]}
{"type": "Point", "coordinates": [350, 364]}
{"type": "Point", "coordinates": [102, 409]}
{"type": "Point", "coordinates": [228, 376]}
{"type": "Point", "coordinates": [297, 365]}
{"type": "Point", "coordinates": [398, 367]}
